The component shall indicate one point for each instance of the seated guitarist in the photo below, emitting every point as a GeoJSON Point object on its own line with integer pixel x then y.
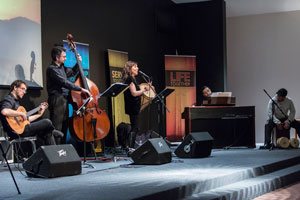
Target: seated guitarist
{"type": "Point", "coordinates": [283, 118]}
{"type": "Point", "coordinates": [13, 118]}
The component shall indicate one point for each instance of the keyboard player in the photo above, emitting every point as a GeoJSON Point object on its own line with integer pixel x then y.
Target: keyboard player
{"type": "Point", "coordinates": [206, 92]}
{"type": "Point", "coordinates": [210, 98]}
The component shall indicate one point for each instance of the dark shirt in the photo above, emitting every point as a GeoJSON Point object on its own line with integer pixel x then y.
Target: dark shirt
{"type": "Point", "coordinates": [57, 82]}
{"type": "Point", "coordinates": [10, 102]}
{"type": "Point", "coordinates": [132, 103]}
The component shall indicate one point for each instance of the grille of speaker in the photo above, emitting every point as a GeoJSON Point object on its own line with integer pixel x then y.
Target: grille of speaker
{"type": "Point", "coordinates": [154, 151]}
{"type": "Point", "coordinates": [195, 145]}
{"type": "Point", "coordinates": [53, 161]}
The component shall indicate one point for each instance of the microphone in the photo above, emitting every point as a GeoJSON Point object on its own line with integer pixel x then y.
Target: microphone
{"type": "Point", "coordinates": [144, 74]}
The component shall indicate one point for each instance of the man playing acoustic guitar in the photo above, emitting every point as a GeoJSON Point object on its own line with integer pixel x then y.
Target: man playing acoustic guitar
{"type": "Point", "coordinates": [17, 123]}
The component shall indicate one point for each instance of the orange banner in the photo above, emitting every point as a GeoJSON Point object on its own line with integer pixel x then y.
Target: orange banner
{"type": "Point", "coordinates": [181, 76]}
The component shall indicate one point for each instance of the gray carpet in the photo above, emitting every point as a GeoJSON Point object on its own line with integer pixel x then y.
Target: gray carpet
{"type": "Point", "coordinates": [228, 174]}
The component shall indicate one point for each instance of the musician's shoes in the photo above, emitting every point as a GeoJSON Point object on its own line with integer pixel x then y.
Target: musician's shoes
{"type": "Point", "coordinates": [266, 146]}
{"type": "Point", "coordinates": [57, 133]}
{"type": "Point", "coordinates": [129, 151]}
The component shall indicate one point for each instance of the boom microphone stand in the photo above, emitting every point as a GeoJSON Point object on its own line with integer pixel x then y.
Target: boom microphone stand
{"type": "Point", "coordinates": [12, 175]}
{"type": "Point", "coordinates": [273, 110]}
{"type": "Point", "coordinates": [151, 88]}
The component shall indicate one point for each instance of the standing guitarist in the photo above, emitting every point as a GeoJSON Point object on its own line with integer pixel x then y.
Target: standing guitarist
{"type": "Point", "coordinates": [17, 123]}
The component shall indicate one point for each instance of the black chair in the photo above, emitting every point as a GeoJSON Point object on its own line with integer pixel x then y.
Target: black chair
{"type": "Point", "coordinates": [15, 145]}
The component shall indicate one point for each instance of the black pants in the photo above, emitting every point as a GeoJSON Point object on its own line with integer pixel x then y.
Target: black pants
{"type": "Point", "coordinates": [270, 125]}
{"type": "Point", "coordinates": [42, 129]}
{"type": "Point", "coordinates": [58, 114]}
{"type": "Point", "coordinates": [134, 122]}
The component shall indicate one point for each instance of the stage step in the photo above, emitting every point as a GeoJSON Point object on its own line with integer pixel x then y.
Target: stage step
{"type": "Point", "coordinates": [246, 183]}
{"type": "Point", "coordinates": [253, 187]}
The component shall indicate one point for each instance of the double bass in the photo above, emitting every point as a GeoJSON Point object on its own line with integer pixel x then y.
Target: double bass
{"type": "Point", "coordinates": [94, 123]}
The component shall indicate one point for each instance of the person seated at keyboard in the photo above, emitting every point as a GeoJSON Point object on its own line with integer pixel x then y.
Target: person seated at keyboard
{"type": "Point", "coordinates": [206, 92]}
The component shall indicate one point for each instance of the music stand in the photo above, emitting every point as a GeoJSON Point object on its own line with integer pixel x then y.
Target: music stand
{"type": "Point", "coordinates": [159, 98]}
{"type": "Point", "coordinates": [163, 94]}
{"type": "Point", "coordinates": [114, 90]}
{"type": "Point", "coordinates": [81, 111]}
{"type": "Point", "coordinates": [82, 108]}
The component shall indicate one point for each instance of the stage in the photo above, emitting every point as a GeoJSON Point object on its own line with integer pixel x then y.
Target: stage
{"type": "Point", "coordinates": [239, 173]}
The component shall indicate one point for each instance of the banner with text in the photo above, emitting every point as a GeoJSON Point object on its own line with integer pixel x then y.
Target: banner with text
{"type": "Point", "coordinates": [116, 61]}
{"type": "Point", "coordinates": [180, 74]}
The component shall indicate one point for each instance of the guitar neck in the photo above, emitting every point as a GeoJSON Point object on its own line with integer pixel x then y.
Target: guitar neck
{"type": "Point", "coordinates": [31, 112]}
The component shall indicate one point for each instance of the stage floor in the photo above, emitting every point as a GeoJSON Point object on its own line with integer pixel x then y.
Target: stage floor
{"type": "Point", "coordinates": [232, 174]}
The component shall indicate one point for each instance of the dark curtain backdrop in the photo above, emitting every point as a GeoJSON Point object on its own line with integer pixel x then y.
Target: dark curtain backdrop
{"type": "Point", "coordinates": [146, 29]}
{"type": "Point", "coordinates": [202, 32]}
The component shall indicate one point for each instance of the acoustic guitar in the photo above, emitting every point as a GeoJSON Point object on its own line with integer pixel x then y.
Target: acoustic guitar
{"type": "Point", "coordinates": [17, 124]}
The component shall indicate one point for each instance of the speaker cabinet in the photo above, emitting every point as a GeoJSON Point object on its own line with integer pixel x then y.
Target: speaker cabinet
{"type": "Point", "coordinates": [154, 151]}
{"type": "Point", "coordinates": [195, 145]}
{"type": "Point", "coordinates": [153, 134]}
{"type": "Point", "coordinates": [53, 161]}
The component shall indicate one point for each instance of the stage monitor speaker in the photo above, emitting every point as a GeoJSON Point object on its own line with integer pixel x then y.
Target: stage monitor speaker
{"type": "Point", "coordinates": [195, 145]}
{"type": "Point", "coordinates": [154, 151]}
{"type": "Point", "coordinates": [53, 161]}
{"type": "Point", "coordinates": [153, 134]}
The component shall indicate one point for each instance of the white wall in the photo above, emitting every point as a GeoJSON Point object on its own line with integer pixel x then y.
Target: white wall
{"type": "Point", "coordinates": [263, 52]}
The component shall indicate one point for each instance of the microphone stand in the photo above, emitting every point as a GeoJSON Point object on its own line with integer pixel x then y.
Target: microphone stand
{"type": "Point", "coordinates": [273, 112]}
{"type": "Point", "coordinates": [274, 102]}
{"type": "Point", "coordinates": [159, 98]}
